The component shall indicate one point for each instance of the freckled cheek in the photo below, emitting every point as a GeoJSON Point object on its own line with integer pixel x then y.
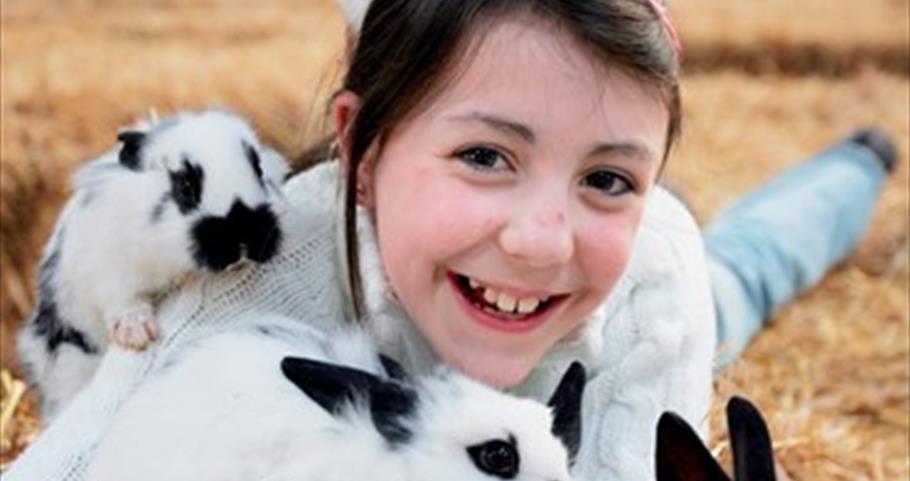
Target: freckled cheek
{"type": "Point", "coordinates": [604, 249]}
{"type": "Point", "coordinates": [426, 226]}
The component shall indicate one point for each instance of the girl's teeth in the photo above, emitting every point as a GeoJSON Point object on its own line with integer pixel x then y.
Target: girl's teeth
{"type": "Point", "coordinates": [506, 303]}
{"type": "Point", "coordinates": [490, 296]}
{"type": "Point", "coordinates": [528, 305]}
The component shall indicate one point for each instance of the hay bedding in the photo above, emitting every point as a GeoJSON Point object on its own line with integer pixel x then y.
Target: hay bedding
{"type": "Point", "coordinates": [831, 374]}
{"type": "Point", "coordinates": [808, 37]}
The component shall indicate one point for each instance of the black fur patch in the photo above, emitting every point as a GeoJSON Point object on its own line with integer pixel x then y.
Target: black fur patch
{"type": "Point", "coordinates": [255, 162]}
{"type": "Point", "coordinates": [566, 405]}
{"type": "Point", "coordinates": [680, 455]}
{"type": "Point", "coordinates": [220, 241]}
{"type": "Point", "coordinates": [258, 229]}
{"type": "Point", "coordinates": [216, 244]}
{"type": "Point", "coordinates": [390, 404]}
{"type": "Point", "coordinates": [186, 186]}
{"type": "Point", "coordinates": [394, 369]}
{"type": "Point", "coordinates": [753, 453]}
{"type": "Point", "coordinates": [334, 387]}
{"type": "Point", "coordinates": [46, 321]}
{"type": "Point", "coordinates": [158, 209]}
{"type": "Point", "coordinates": [132, 147]}
{"type": "Point", "coordinates": [47, 324]}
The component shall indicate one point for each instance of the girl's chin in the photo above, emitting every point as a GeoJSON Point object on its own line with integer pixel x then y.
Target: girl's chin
{"type": "Point", "coordinates": [493, 370]}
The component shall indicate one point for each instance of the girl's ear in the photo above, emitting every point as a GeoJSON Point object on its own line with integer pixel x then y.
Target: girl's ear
{"type": "Point", "coordinates": [344, 111]}
{"type": "Point", "coordinates": [345, 108]}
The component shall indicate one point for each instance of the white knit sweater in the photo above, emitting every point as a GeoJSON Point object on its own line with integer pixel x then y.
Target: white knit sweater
{"type": "Point", "coordinates": [648, 348]}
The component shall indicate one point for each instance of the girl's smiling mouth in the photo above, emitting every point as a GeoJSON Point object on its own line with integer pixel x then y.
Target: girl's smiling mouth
{"type": "Point", "coordinates": [502, 311]}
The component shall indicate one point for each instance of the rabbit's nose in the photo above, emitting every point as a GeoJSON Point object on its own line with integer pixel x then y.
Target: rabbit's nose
{"type": "Point", "coordinates": [215, 244]}
{"type": "Point", "coordinates": [219, 242]}
{"type": "Point", "coordinates": [257, 231]}
{"type": "Point", "coordinates": [263, 238]}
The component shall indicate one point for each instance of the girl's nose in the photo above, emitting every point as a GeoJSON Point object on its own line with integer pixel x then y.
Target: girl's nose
{"type": "Point", "coordinates": [538, 236]}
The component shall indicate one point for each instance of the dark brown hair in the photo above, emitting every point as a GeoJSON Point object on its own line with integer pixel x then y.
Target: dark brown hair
{"type": "Point", "coordinates": [406, 48]}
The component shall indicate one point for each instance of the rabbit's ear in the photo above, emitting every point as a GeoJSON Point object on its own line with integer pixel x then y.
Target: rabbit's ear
{"type": "Point", "coordinates": [753, 458]}
{"type": "Point", "coordinates": [333, 386]}
{"type": "Point", "coordinates": [132, 145]}
{"type": "Point", "coordinates": [329, 385]}
{"type": "Point", "coordinates": [566, 406]}
{"type": "Point", "coordinates": [681, 456]}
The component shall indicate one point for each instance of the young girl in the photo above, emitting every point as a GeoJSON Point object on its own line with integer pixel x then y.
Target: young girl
{"type": "Point", "coordinates": [497, 162]}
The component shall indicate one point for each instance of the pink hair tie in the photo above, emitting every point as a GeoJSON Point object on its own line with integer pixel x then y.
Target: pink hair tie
{"type": "Point", "coordinates": [664, 15]}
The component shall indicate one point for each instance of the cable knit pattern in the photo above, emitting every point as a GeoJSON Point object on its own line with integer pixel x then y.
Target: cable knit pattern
{"type": "Point", "coordinates": [648, 348]}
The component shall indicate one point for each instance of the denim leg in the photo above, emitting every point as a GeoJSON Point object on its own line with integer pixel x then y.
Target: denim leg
{"type": "Point", "coordinates": [781, 238]}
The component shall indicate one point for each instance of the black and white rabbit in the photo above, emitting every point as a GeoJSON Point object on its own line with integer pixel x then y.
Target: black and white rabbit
{"type": "Point", "coordinates": [191, 193]}
{"type": "Point", "coordinates": [256, 404]}
{"type": "Point", "coordinates": [681, 455]}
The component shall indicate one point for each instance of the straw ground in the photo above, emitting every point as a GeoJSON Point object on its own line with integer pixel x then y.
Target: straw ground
{"type": "Point", "coordinates": [768, 84]}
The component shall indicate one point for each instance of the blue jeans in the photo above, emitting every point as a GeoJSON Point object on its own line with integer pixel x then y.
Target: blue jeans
{"type": "Point", "coordinates": [780, 239]}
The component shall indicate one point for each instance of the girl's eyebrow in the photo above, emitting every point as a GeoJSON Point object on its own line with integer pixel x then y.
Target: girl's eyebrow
{"type": "Point", "coordinates": [629, 149]}
{"type": "Point", "coordinates": [508, 127]}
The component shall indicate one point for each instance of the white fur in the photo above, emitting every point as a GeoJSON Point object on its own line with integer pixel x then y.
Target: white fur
{"type": "Point", "coordinates": [114, 260]}
{"type": "Point", "coordinates": [58, 378]}
{"type": "Point", "coordinates": [458, 412]}
{"type": "Point", "coordinates": [212, 139]}
{"type": "Point", "coordinates": [225, 412]}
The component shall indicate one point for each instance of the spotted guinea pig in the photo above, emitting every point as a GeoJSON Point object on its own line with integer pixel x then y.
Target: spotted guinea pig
{"type": "Point", "coordinates": [193, 192]}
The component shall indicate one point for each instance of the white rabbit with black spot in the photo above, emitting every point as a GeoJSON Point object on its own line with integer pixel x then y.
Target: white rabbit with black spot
{"type": "Point", "coordinates": [195, 192]}
{"type": "Point", "coordinates": [255, 404]}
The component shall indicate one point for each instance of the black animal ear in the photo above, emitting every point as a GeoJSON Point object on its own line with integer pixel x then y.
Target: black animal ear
{"type": "Point", "coordinates": [681, 456]}
{"type": "Point", "coordinates": [333, 386]}
{"type": "Point", "coordinates": [394, 369]}
{"type": "Point", "coordinates": [132, 146]}
{"type": "Point", "coordinates": [753, 455]}
{"type": "Point", "coordinates": [566, 406]}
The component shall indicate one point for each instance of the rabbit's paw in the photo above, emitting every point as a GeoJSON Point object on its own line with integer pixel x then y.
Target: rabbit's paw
{"type": "Point", "coordinates": [134, 329]}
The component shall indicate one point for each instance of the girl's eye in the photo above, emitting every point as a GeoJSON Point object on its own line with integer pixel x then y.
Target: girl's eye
{"type": "Point", "coordinates": [483, 158]}
{"type": "Point", "coordinates": [608, 183]}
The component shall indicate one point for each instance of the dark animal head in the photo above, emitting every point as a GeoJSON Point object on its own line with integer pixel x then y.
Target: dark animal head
{"type": "Point", "coordinates": [681, 455]}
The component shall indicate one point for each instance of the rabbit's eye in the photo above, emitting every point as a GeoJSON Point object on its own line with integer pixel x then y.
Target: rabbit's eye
{"type": "Point", "coordinates": [497, 457]}
{"type": "Point", "coordinates": [186, 186]}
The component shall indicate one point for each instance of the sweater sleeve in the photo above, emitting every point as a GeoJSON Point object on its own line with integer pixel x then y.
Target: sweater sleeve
{"type": "Point", "coordinates": [657, 350]}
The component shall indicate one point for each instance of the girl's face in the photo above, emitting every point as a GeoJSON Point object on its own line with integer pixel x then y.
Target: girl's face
{"type": "Point", "coordinates": [506, 209]}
